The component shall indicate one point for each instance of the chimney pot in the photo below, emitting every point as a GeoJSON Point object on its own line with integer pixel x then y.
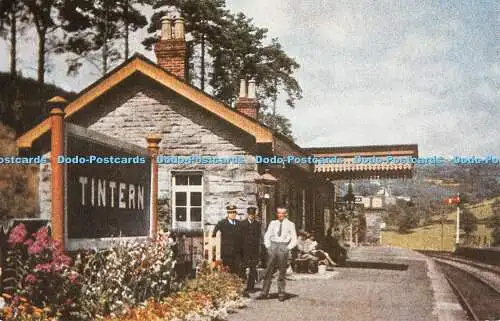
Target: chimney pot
{"type": "Point", "coordinates": [179, 28]}
{"type": "Point", "coordinates": [251, 89]}
{"type": "Point", "coordinates": [170, 50]}
{"type": "Point", "coordinates": [166, 28]}
{"type": "Point", "coordinates": [243, 89]}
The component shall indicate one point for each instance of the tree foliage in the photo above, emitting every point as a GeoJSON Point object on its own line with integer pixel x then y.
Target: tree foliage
{"type": "Point", "coordinates": [495, 223]}
{"type": "Point", "coordinates": [468, 222]}
{"type": "Point", "coordinates": [95, 30]}
{"type": "Point", "coordinates": [16, 198]}
{"type": "Point", "coordinates": [226, 47]}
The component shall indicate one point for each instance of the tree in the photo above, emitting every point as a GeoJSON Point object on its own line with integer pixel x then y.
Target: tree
{"type": "Point", "coordinates": [204, 23]}
{"type": "Point", "coordinates": [241, 53]}
{"type": "Point", "coordinates": [279, 123]}
{"type": "Point", "coordinates": [94, 30]}
{"type": "Point", "coordinates": [468, 222]}
{"type": "Point", "coordinates": [14, 16]}
{"type": "Point", "coordinates": [12, 13]}
{"type": "Point", "coordinates": [16, 200]}
{"type": "Point", "coordinates": [349, 196]}
{"type": "Point", "coordinates": [132, 19]}
{"type": "Point", "coordinates": [407, 218]}
{"type": "Point", "coordinates": [43, 18]}
{"type": "Point", "coordinates": [495, 223]}
{"type": "Point", "coordinates": [232, 48]}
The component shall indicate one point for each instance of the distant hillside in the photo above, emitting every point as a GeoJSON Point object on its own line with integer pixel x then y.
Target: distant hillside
{"type": "Point", "coordinates": [428, 237]}
{"type": "Point", "coordinates": [20, 105]}
{"type": "Point", "coordinates": [475, 183]}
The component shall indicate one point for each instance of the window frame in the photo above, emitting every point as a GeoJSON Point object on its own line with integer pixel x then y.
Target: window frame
{"type": "Point", "coordinates": [188, 189]}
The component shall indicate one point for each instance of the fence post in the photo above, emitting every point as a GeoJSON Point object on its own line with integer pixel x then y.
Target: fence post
{"type": "Point", "coordinates": [212, 245]}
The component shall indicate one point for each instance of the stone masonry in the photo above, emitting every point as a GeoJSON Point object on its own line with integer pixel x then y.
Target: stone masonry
{"type": "Point", "coordinates": [140, 107]}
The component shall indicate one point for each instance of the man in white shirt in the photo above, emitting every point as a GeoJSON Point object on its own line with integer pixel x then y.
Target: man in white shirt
{"type": "Point", "coordinates": [279, 239]}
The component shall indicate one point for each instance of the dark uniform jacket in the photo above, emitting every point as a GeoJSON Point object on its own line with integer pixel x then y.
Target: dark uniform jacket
{"type": "Point", "coordinates": [252, 233]}
{"type": "Point", "coordinates": [230, 239]}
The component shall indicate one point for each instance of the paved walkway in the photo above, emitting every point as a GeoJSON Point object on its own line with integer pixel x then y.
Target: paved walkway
{"type": "Point", "coordinates": [382, 283]}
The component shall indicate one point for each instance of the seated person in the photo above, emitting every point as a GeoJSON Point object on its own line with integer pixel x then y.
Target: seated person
{"type": "Point", "coordinates": [334, 245]}
{"type": "Point", "coordinates": [312, 246]}
{"type": "Point", "coordinates": [303, 252]}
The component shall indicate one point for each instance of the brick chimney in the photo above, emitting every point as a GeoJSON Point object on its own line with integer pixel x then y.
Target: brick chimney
{"type": "Point", "coordinates": [170, 50]}
{"type": "Point", "coordinates": [247, 103]}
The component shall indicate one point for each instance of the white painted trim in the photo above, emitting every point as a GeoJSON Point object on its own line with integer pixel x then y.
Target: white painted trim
{"type": "Point", "coordinates": [188, 189]}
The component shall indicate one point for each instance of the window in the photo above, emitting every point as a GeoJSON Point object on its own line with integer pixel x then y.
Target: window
{"type": "Point", "coordinates": [187, 200]}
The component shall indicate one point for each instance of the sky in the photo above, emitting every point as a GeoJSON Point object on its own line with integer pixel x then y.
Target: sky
{"type": "Point", "coordinates": [423, 72]}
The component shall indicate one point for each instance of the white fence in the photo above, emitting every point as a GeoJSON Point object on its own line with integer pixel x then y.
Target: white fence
{"type": "Point", "coordinates": [211, 245]}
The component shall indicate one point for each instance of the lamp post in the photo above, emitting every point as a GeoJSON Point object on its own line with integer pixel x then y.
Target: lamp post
{"type": "Point", "coordinates": [265, 184]}
{"type": "Point", "coordinates": [349, 198]}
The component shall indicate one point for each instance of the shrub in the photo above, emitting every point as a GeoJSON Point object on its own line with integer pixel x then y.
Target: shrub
{"type": "Point", "coordinates": [110, 281]}
{"type": "Point", "coordinates": [204, 298]}
{"type": "Point", "coordinates": [120, 278]}
{"type": "Point", "coordinates": [17, 195]}
{"type": "Point", "coordinates": [40, 272]}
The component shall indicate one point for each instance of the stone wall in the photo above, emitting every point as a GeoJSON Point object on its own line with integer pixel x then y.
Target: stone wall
{"type": "Point", "coordinates": [44, 193]}
{"type": "Point", "coordinates": [373, 220]}
{"type": "Point", "coordinates": [140, 107]}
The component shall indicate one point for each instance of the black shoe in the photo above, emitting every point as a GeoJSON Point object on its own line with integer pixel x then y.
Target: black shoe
{"type": "Point", "coordinates": [262, 297]}
{"type": "Point", "coordinates": [245, 294]}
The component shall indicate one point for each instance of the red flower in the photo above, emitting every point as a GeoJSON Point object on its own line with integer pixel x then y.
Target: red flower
{"type": "Point", "coordinates": [18, 234]}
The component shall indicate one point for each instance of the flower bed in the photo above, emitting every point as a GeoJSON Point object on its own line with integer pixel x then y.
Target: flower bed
{"type": "Point", "coordinates": [212, 295]}
{"type": "Point", "coordinates": [94, 284]}
{"type": "Point", "coordinates": [131, 282]}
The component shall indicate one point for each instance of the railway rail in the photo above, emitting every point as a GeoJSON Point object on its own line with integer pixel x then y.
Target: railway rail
{"type": "Point", "coordinates": [472, 282]}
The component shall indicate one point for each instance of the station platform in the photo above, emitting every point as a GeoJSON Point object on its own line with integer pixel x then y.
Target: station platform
{"type": "Point", "coordinates": [378, 283]}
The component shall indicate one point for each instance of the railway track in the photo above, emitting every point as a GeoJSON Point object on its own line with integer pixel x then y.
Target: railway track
{"type": "Point", "coordinates": [449, 256]}
{"type": "Point", "coordinates": [473, 285]}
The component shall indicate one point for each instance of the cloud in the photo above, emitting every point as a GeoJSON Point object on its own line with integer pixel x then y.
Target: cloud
{"type": "Point", "coordinates": [383, 72]}
{"type": "Point", "coordinates": [374, 72]}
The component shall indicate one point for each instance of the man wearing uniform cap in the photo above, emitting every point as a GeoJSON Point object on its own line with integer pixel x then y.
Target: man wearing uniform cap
{"type": "Point", "coordinates": [230, 229]}
{"type": "Point", "coordinates": [251, 233]}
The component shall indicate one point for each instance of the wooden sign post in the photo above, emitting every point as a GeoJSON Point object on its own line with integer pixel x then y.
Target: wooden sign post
{"type": "Point", "coordinates": [153, 149]}
{"type": "Point", "coordinates": [56, 113]}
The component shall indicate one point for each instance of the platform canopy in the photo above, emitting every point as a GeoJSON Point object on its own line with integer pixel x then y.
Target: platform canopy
{"type": "Point", "coordinates": [366, 162]}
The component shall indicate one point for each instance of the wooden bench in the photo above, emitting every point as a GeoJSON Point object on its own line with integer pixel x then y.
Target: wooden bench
{"type": "Point", "coordinates": [305, 266]}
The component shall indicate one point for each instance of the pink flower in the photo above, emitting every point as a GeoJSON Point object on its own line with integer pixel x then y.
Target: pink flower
{"type": "Point", "coordinates": [18, 234]}
{"type": "Point", "coordinates": [42, 241]}
{"type": "Point", "coordinates": [35, 248]}
{"type": "Point", "coordinates": [42, 236]}
{"type": "Point", "coordinates": [68, 302]}
{"type": "Point", "coordinates": [45, 267]}
{"type": "Point", "coordinates": [61, 259]}
{"type": "Point", "coordinates": [73, 277]}
{"type": "Point", "coordinates": [31, 278]}
{"type": "Point", "coordinates": [28, 242]}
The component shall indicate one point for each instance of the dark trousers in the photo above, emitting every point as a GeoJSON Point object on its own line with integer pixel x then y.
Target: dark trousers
{"type": "Point", "coordinates": [233, 262]}
{"type": "Point", "coordinates": [278, 255]}
{"type": "Point", "coordinates": [251, 264]}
